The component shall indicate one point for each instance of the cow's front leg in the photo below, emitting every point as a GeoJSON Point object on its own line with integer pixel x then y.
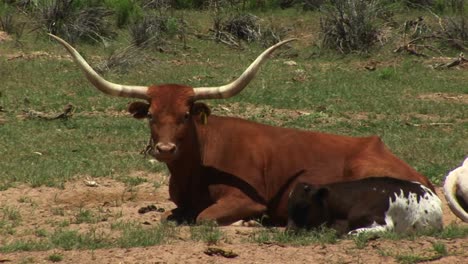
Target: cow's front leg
{"type": "Point", "coordinates": [374, 228]}
{"type": "Point", "coordinates": [230, 209]}
{"type": "Point", "coordinates": [360, 222]}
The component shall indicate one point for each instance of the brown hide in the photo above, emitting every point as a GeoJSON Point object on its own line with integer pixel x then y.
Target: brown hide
{"type": "Point", "coordinates": [267, 157]}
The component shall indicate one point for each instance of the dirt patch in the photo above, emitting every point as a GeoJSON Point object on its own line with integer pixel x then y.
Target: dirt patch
{"type": "Point", "coordinates": [113, 201]}
{"type": "Point", "coordinates": [36, 55]}
{"type": "Point", "coordinates": [445, 97]}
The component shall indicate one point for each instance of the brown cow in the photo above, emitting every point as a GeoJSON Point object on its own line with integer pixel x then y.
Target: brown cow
{"type": "Point", "coordinates": [228, 169]}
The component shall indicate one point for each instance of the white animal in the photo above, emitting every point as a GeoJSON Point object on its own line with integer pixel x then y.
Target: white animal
{"type": "Point", "coordinates": [456, 191]}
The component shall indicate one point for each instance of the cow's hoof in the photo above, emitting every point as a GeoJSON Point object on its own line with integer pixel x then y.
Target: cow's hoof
{"type": "Point", "coordinates": [178, 217]}
{"type": "Point", "coordinates": [247, 223]}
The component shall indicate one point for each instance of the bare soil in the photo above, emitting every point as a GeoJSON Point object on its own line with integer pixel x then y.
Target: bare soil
{"type": "Point", "coordinates": [44, 208]}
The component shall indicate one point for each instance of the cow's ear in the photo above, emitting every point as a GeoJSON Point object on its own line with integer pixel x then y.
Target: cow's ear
{"type": "Point", "coordinates": [202, 111]}
{"type": "Point", "coordinates": [138, 109]}
{"type": "Point", "coordinates": [198, 108]}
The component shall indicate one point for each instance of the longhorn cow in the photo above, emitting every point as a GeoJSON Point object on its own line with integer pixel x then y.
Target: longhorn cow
{"type": "Point", "coordinates": [228, 169]}
{"type": "Point", "coordinates": [456, 191]}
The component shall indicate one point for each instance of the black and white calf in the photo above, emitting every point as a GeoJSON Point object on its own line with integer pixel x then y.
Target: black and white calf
{"type": "Point", "coordinates": [367, 205]}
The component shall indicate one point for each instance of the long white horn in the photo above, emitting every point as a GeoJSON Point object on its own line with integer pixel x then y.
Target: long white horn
{"type": "Point", "coordinates": [457, 178]}
{"type": "Point", "coordinates": [240, 83]}
{"type": "Point", "coordinates": [99, 82]}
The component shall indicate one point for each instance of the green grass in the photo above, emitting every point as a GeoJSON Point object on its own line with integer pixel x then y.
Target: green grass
{"type": "Point", "coordinates": [131, 235]}
{"type": "Point", "coordinates": [135, 235]}
{"type": "Point", "coordinates": [85, 216]}
{"type": "Point", "coordinates": [302, 238]}
{"type": "Point", "coordinates": [98, 142]}
{"type": "Point", "coordinates": [208, 232]}
{"type": "Point", "coordinates": [55, 257]}
{"type": "Point", "coordinates": [451, 231]}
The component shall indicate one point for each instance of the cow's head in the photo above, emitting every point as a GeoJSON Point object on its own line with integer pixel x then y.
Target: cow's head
{"type": "Point", "coordinates": [307, 207]}
{"type": "Point", "coordinates": [169, 108]}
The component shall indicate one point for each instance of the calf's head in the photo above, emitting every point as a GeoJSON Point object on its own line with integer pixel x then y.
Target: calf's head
{"type": "Point", "coordinates": [307, 207]}
{"type": "Point", "coordinates": [170, 108]}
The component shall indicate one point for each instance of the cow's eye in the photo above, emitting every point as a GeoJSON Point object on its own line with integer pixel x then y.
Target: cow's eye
{"type": "Point", "coordinates": [186, 116]}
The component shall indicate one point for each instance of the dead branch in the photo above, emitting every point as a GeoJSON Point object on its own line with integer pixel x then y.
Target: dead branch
{"type": "Point", "coordinates": [429, 124]}
{"type": "Point", "coordinates": [67, 113]}
{"type": "Point", "coordinates": [409, 49]}
{"type": "Point", "coordinates": [458, 61]}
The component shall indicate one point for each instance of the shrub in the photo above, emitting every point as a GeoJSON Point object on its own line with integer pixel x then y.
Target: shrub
{"type": "Point", "coordinates": [154, 30]}
{"type": "Point", "coordinates": [231, 29]}
{"type": "Point", "coordinates": [156, 4]}
{"type": "Point", "coordinates": [74, 19]}
{"type": "Point", "coordinates": [6, 19]}
{"type": "Point", "coordinates": [125, 11]}
{"type": "Point", "coordinates": [455, 33]}
{"type": "Point", "coordinates": [350, 25]}
{"type": "Point", "coordinates": [243, 26]}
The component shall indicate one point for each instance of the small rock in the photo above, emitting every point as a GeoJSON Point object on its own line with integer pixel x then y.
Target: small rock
{"type": "Point", "coordinates": [290, 63]}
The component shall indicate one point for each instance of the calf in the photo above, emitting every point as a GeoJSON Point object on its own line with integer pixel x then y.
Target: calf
{"type": "Point", "coordinates": [366, 205]}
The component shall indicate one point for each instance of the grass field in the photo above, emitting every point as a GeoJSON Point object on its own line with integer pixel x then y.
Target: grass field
{"type": "Point", "coordinates": [420, 113]}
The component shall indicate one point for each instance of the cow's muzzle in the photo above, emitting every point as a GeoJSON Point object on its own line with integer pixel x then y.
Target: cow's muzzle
{"type": "Point", "coordinates": [165, 151]}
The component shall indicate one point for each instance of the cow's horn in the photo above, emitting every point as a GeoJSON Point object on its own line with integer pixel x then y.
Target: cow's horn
{"type": "Point", "coordinates": [240, 83]}
{"type": "Point", "coordinates": [450, 189]}
{"type": "Point", "coordinates": [99, 82]}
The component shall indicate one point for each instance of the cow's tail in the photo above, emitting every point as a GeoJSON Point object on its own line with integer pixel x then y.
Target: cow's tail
{"type": "Point", "coordinates": [450, 190]}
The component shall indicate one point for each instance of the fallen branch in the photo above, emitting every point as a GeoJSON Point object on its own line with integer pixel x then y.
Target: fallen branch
{"type": "Point", "coordinates": [429, 124]}
{"type": "Point", "coordinates": [458, 61]}
{"type": "Point", "coordinates": [409, 48]}
{"type": "Point", "coordinates": [67, 113]}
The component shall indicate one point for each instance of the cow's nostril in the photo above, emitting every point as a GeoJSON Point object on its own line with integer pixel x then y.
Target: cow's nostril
{"type": "Point", "coordinates": [166, 147]}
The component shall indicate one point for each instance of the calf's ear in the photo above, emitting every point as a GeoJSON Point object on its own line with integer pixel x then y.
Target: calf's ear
{"type": "Point", "coordinates": [322, 192]}
{"type": "Point", "coordinates": [138, 109]}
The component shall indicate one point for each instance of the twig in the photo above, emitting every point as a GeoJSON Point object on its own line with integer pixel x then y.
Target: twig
{"type": "Point", "coordinates": [429, 124]}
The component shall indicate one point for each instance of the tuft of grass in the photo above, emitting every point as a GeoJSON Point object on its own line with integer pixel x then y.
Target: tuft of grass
{"type": "Point", "coordinates": [132, 181]}
{"type": "Point", "coordinates": [410, 258]}
{"type": "Point", "coordinates": [11, 214]}
{"type": "Point", "coordinates": [440, 248]}
{"type": "Point", "coordinates": [207, 232]}
{"type": "Point", "coordinates": [135, 235]}
{"type": "Point", "coordinates": [361, 239]}
{"type": "Point", "coordinates": [85, 216]}
{"type": "Point", "coordinates": [55, 257]}
{"type": "Point", "coordinates": [27, 245]}
{"type": "Point", "coordinates": [40, 232]}
{"type": "Point", "coordinates": [451, 231]}
{"type": "Point", "coordinates": [72, 239]}
{"type": "Point", "coordinates": [301, 238]}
